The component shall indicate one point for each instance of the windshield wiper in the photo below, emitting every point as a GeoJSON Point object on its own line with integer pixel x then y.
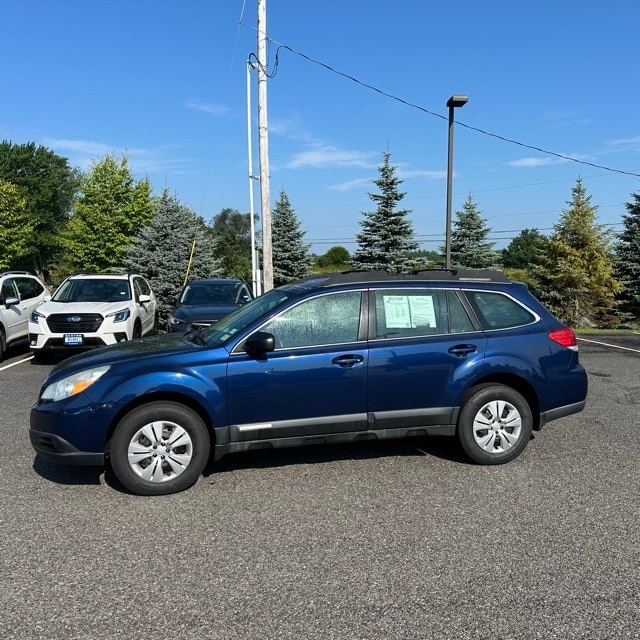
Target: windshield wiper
{"type": "Point", "coordinates": [194, 335]}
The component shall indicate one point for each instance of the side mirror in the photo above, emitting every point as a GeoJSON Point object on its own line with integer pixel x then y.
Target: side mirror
{"type": "Point", "coordinates": [171, 300]}
{"type": "Point", "coordinates": [260, 342]}
{"type": "Point", "coordinates": [9, 302]}
{"type": "Point", "coordinates": [144, 299]}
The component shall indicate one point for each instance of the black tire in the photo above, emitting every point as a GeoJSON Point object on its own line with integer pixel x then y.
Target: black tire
{"type": "Point", "coordinates": [495, 424]}
{"type": "Point", "coordinates": [156, 325]}
{"type": "Point", "coordinates": [2, 344]}
{"type": "Point", "coordinates": [137, 330]}
{"type": "Point", "coordinates": [160, 468]}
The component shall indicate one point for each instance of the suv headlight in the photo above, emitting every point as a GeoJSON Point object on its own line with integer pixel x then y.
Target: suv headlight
{"type": "Point", "coordinates": [120, 316]}
{"type": "Point", "coordinates": [35, 317]}
{"type": "Point", "coordinates": [71, 385]}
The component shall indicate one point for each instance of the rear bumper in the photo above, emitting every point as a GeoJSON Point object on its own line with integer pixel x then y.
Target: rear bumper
{"type": "Point", "coordinates": [561, 412]}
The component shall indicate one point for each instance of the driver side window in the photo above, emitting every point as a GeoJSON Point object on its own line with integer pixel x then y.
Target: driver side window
{"type": "Point", "coordinates": [323, 320]}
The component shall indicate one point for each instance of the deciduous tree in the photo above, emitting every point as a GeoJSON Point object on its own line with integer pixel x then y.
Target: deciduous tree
{"type": "Point", "coordinates": [48, 185]}
{"type": "Point", "coordinates": [16, 226]}
{"type": "Point", "coordinates": [232, 231]}
{"type": "Point", "coordinates": [524, 251]}
{"type": "Point", "coordinates": [387, 233]}
{"type": "Point", "coordinates": [111, 209]}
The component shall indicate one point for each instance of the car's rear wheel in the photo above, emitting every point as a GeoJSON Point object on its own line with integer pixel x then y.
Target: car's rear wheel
{"type": "Point", "coordinates": [159, 448]}
{"type": "Point", "coordinates": [495, 424]}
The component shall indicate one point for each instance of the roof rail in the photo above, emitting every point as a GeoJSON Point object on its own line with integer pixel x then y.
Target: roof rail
{"type": "Point", "coordinates": [11, 273]}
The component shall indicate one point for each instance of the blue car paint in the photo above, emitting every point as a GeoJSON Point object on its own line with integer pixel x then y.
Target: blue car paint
{"type": "Point", "coordinates": [304, 391]}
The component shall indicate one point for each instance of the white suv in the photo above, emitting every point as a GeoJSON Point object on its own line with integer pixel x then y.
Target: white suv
{"type": "Point", "coordinates": [90, 310]}
{"type": "Point", "coordinates": [20, 294]}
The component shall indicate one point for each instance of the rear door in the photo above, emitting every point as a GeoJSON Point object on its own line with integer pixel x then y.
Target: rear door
{"type": "Point", "coordinates": [423, 347]}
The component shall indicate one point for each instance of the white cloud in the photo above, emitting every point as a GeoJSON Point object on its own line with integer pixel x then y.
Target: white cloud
{"type": "Point", "coordinates": [350, 185]}
{"type": "Point", "coordinates": [417, 173]}
{"type": "Point", "coordinates": [211, 108]}
{"type": "Point", "coordinates": [531, 162]}
{"type": "Point", "coordinates": [327, 156]}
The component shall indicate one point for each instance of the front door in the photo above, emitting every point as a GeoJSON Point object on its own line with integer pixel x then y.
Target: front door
{"type": "Point", "coordinates": [315, 380]}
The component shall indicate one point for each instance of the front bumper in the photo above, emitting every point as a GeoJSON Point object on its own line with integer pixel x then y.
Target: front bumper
{"type": "Point", "coordinates": [56, 449]}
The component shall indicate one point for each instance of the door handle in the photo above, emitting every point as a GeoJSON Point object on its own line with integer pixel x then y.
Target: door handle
{"type": "Point", "coordinates": [348, 361]}
{"type": "Point", "coordinates": [463, 349]}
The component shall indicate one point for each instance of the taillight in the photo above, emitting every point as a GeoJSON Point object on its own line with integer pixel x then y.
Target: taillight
{"type": "Point", "coordinates": [565, 337]}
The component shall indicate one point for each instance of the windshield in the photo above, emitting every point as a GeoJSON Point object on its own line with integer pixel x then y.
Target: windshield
{"type": "Point", "coordinates": [214, 293]}
{"type": "Point", "coordinates": [93, 290]}
{"type": "Point", "coordinates": [235, 322]}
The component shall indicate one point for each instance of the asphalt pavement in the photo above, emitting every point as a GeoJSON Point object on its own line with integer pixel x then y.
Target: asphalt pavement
{"type": "Point", "coordinates": [390, 540]}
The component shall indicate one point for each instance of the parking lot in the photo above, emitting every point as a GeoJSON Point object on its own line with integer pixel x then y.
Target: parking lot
{"type": "Point", "coordinates": [390, 540]}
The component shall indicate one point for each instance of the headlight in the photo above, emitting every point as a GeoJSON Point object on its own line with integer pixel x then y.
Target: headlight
{"type": "Point", "coordinates": [35, 317]}
{"type": "Point", "coordinates": [120, 316]}
{"type": "Point", "coordinates": [71, 385]}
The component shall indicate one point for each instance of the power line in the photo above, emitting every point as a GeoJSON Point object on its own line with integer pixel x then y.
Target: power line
{"type": "Point", "coordinates": [437, 115]}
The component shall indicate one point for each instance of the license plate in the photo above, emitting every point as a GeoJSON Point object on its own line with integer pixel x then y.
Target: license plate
{"type": "Point", "coordinates": [73, 339]}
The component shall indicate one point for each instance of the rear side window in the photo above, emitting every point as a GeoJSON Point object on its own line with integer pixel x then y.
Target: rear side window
{"type": "Point", "coordinates": [498, 311]}
{"type": "Point", "coordinates": [406, 313]}
{"type": "Point", "coordinates": [29, 288]}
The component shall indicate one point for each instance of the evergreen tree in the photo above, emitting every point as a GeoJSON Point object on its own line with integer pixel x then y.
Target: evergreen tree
{"type": "Point", "coordinates": [628, 261]}
{"type": "Point", "coordinates": [291, 259]}
{"type": "Point", "coordinates": [16, 226]}
{"type": "Point", "coordinates": [387, 233]}
{"type": "Point", "coordinates": [576, 275]}
{"type": "Point", "coordinates": [110, 210]}
{"type": "Point", "coordinates": [524, 251]}
{"type": "Point", "coordinates": [48, 185]}
{"type": "Point", "coordinates": [232, 231]}
{"type": "Point", "coordinates": [470, 247]}
{"type": "Point", "coordinates": [162, 249]}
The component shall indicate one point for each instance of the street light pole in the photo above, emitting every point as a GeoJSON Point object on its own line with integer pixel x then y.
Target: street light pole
{"type": "Point", "coordinates": [452, 103]}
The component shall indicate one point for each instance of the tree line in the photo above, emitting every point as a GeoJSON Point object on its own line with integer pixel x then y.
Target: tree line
{"type": "Point", "coordinates": [56, 220]}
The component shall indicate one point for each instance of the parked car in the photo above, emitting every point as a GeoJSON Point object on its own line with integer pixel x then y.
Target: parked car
{"type": "Point", "coordinates": [332, 358]}
{"type": "Point", "coordinates": [201, 303]}
{"type": "Point", "coordinates": [90, 310]}
{"type": "Point", "coordinates": [20, 294]}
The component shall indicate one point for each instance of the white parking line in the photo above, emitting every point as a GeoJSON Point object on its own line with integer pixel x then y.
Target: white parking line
{"type": "Point", "coordinates": [13, 364]}
{"type": "Point", "coordinates": [613, 346]}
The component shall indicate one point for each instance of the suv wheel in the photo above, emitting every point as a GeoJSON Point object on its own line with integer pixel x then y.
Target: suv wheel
{"type": "Point", "coordinates": [137, 331]}
{"type": "Point", "coordinates": [2, 345]}
{"type": "Point", "coordinates": [159, 448]}
{"type": "Point", "coordinates": [495, 424]}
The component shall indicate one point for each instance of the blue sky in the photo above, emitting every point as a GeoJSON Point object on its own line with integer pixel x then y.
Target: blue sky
{"type": "Point", "coordinates": [165, 82]}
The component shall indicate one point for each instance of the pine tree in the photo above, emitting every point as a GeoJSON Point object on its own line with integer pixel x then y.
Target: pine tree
{"type": "Point", "coordinates": [387, 233]}
{"type": "Point", "coordinates": [576, 275]}
{"type": "Point", "coordinates": [470, 247]}
{"type": "Point", "coordinates": [628, 262]}
{"type": "Point", "coordinates": [163, 247]}
{"type": "Point", "coordinates": [291, 259]}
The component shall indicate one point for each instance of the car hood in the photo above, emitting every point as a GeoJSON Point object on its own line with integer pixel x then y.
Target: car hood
{"type": "Point", "coordinates": [203, 312]}
{"type": "Point", "coordinates": [153, 347]}
{"type": "Point", "coordinates": [77, 308]}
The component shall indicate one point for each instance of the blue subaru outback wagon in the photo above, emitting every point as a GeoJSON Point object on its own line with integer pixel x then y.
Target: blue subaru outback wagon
{"type": "Point", "coordinates": [332, 358]}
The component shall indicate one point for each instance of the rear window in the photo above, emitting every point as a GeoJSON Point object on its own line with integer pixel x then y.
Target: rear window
{"type": "Point", "coordinates": [498, 311]}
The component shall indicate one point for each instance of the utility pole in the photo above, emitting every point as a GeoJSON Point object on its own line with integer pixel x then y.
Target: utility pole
{"type": "Point", "coordinates": [263, 141]}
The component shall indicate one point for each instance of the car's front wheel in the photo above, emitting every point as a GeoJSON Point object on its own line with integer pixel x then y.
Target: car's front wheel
{"type": "Point", "coordinates": [159, 448]}
{"type": "Point", "coordinates": [495, 424]}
